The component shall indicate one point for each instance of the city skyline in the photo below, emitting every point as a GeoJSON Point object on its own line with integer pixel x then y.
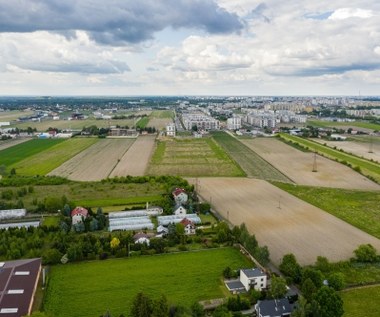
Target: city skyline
{"type": "Point", "coordinates": [189, 48]}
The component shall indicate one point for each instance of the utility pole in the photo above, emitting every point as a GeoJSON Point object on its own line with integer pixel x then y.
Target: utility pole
{"type": "Point", "coordinates": [370, 144]}
{"type": "Point", "coordinates": [315, 162]}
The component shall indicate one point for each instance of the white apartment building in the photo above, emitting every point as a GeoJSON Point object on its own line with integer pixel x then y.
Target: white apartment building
{"type": "Point", "coordinates": [170, 129]}
{"type": "Point", "coordinates": [234, 123]}
{"type": "Point", "coordinates": [201, 121]}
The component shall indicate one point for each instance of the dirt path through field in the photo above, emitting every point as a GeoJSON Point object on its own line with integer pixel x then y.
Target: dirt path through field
{"type": "Point", "coordinates": [298, 166]}
{"type": "Point", "coordinates": [96, 162]}
{"type": "Point", "coordinates": [281, 221]}
{"type": "Point", "coordinates": [135, 161]}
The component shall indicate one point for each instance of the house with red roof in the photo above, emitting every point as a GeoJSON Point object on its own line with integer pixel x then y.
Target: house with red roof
{"type": "Point", "coordinates": [180, 196]}
{"type": "Point", "coordinates": [78, 214]}
{"type": "Point", "coordinates": [188, 225]}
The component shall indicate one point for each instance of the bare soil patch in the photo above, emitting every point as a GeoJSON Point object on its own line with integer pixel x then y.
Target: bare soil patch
{"type": "Point", "coordinates": [281, 221]}
{"type": "Point", "coordinates": [96, 162]}
{"type": "Point", "coordinates": [136, 160]}
{"type": "Point", "coordinates": [159, 123]}
{"type": "Point", "coordinates": [298, 166]}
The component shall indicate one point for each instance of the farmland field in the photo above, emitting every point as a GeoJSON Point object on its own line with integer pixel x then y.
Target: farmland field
{"type": "Point", "coordinates": [357, 207]}
{"type": "Point", "coordinates": [298, 166]}
{"type": "Point", "coordinates": [361, 302]}
{"type": "Point", "coordinates": [192, 157]}
{"type": "Point", "coordinates": [252, 164]}
{"type": "Point", "coordinates": [358, 148]}
{"type": "Point", "coordinates": [160, 118]}
{"type": "Point", "coordinates": [96, 162]}
{"type": "Point", "coordinates": [14, 115]}
{"type": "Point", "coordinates": [184, 278]}
{"type": "Point", "coordinates": [142, 123]}
{"type": "Point", "coordinates": [45, 161]}
{"type": "Point", "coordinates": [283, 222]}
{"type": "Point", "coordinates": [368, 168]}
{"type": "Point", "coordinates": [9, 143]}
{"type": "Point", "coordinates": [135, 161]}
{"type": "Point", "coordinates": [24, 150]}
{"type": "Point", "coordinates": [365, 126]}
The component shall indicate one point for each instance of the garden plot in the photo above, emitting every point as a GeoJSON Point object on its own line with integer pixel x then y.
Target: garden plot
{"type": "Point", "coordinates": [281, 221]}
{"type": "Point", "coordinates": [298, 166]}
{"type": "Point", "coordinates": [96, 162]}
{"type": "Point", "coordinates": [135, 161]}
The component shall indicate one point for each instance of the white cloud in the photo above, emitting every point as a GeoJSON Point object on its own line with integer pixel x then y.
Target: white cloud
{"type": "Point", "coordinates": [346, 13]}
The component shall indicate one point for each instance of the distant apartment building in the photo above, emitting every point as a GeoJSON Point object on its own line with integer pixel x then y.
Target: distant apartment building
{"type": "Point", "coordinates": [234, 123]}
{"type": "Point", "coordinates": [170, 129]}
{"type": "Point", "coordinates": [270, 118]}
{"type": "Point", "coordinates": [201, 121]}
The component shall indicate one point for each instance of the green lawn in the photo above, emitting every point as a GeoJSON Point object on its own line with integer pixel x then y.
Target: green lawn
{"type": "Point", "coordinates": [252, 164]}
{"type": "Point", "coordinates": [118, 201]}
{"type": "Point", "coordinates": [368, 168]}
{"type": "Point", "coordinates": [359, 208]}
{"type": "Point", "coordinates": [24, 150]}
{"type": "Point", "coordinates": [363, 302]}
{"type": "Point", "coordinates": [51, 221]}
{"type": "Point", "coordinates": [45, 161]}
{"type": "Point", "coordinates": [142, 123]}
{"type": "Point", "coordinates": [89, 289]}
{"type": "Point", "coordinates": [162, 114]}
{"type": "Point", "coordinates": [192, 157]}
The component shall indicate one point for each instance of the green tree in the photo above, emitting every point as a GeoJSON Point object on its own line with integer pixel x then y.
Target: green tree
{"type": "Point", "coordinates": [336, 281]}
{"type": "Point", "coordinates": [315, 275]}
{"type": "Point", "coordinates": [308, 289]}
{"type": "Point", "coordinates": [366, 253]}
{"type": "Point", "coordinates": [66, 211]}
{"type": "Point", "coordinates": [51, 256]}
{"type": "Point", "coordinates": [221, 311]}
{"type": "Point", "coordinates": [303, 308]}
{"type": "Point", "coordinates": [197, 310]}
{"type": "Point", "coordinates": [261, 254]}
{"type": "Point", "coordinates": [322, 264]}
{"type": "Point", "coordinates": [160, 307]}
{"type": "Point", "coordinates": [142, 306]}
{"type": "Point", "coordinates": [327, 303]}
{"type": "Point", "coordinates": [290, 267]}
{"type": "Point", "coordinates": [53, 204]}
{"type": "Point", "coordinates": [278, 287]}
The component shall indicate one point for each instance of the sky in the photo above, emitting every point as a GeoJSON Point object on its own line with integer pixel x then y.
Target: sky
{"type": "Point", "coordinates": [189, 47]}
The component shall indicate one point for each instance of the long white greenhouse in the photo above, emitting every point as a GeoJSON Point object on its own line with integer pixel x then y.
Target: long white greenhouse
{"type": "Point", "coordinates": [127, 214]}
{"type": "Point", "coordinates": [12, 213]}
{"type": "Point", "coordinates": [165, 220]}
{"type": "Point", "coordinates": [130, 223]}
{"type": "Point", "coordinates": [19, 224]}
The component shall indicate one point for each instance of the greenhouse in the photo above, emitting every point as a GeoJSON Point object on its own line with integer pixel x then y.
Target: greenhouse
{"type": "Point", "coordinates": [165, 220]}
{"type": "Point", "coordinates": [12, 213]}
{"type": "Point", "coordinates": [127, 214]}
{"type": "Point", "coordinates": [19, 224]}
{"type": "Point", "coordinates": [130, 223]}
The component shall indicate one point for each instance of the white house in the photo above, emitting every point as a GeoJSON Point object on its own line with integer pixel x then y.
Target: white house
{"type": "Point", "coordinates": [78, 214]}
{"type": "Point", "coordinates": [189, 226]}
{"type": "Point", "coordinates": [170, 129]}
{"type": "Point", "coordinates": [180, 196]}
{"type": "Point", "coordinates": [253, 278]}
{"type": "Point", "coordinates": [180, 211]}
{"type": "Point", "coordinates": [141, 238]}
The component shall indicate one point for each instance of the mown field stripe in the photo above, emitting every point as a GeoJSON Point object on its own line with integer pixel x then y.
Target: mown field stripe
{"type": "Point", "coordinates": [252, 163]}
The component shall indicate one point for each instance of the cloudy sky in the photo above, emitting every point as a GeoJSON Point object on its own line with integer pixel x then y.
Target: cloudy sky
{"type": "Point", "coordinates": [189, 47]}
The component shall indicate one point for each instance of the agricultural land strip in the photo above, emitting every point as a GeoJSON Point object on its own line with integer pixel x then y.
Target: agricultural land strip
{"type": "Point", "coordinates": [369, 151]}
{"type": "Point", "coordinates": [368, 168]}
{"type": "Point", "coordinates": [298, 166]}
{"type": "Point", "coordinates": [364, 126]}
{"type": "Point", "coordinates": [361, 302]}
{"type": "Point", "coordinates": [24, 150]}
{"type": "Point", "coordinates": [160, 119]}
{"type": "Point", "coordinates": [357, 207]}
{"type": "Point", "coordinates": [46, 161]}
{"type": "Point", "coordinates": [9, 143]}
{"type": "Point", "coordinates": [96, 162]}
{"type": "Point", "coordinates": [14, 115]}
{"type": "Point", "coordinates": [283, 222]}
{"type": "Point", "coordinates": [136, 160]}
{"type": "Point", "coordinates": [117, 281]}
{"type": "Point", "coordinates": [252, 164]}
{"type": "Point", "coordinates": [192, 157]}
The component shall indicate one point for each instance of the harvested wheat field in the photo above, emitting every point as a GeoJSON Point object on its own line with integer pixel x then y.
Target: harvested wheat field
{"type": "Point", "coordinates": [361, 149]}
{"type": "Point", "coordinates": [298, 166]}
{"type": "Point", "coordinates": [9, 143]}
{"type": "Point", "coordinates": [96, 162]}
{"type": "Point", "coordinates": [281, 221]}
{"type": "Point", "coordinates": [135, 161]}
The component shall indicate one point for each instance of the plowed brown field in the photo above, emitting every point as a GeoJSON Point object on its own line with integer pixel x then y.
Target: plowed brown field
{"type": "Point", "coordinates": [281, 221]}
{"type": "Point", "coordinates": [298, 166]}
{"type": "Point", "coordinates": [135, 161]}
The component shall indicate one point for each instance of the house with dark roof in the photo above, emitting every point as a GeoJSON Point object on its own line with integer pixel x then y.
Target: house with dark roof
{"type": "Point", "coordinates": [18, 284]}
{"type": "Point", "coordinates": [78, 214]}
{"type": "Point", "coordinates": [273, 308]}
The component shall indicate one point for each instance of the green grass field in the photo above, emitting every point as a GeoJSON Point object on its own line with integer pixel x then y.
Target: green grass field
{"type": "Point", "coordinates": [359, 208]}
{"type": "Point", "coordinates": [45, 161]}
{"type": "Point", "coordinates": [358, 124]}
{"type": "Point", "coordinates": [118, 201]}
{"type": "Point", "coordinates": [24, 150]}
{"type": "Point", "coordinates": [51, 221]}
{"type": "Point", "coordinates": [162, 114]}
{"type": "Point", "coordinates": [192, 157]}
{"type": "Point", "coordinates": [362, 302]}
{"type": "Point", "coordinates": [367, 168]}
{"type": "Point", "coordinates": [89, 289]}
{"type": "Point", "coordinates": [252, 164]}
{"type": "Point", "coordinates": [142, 123]}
